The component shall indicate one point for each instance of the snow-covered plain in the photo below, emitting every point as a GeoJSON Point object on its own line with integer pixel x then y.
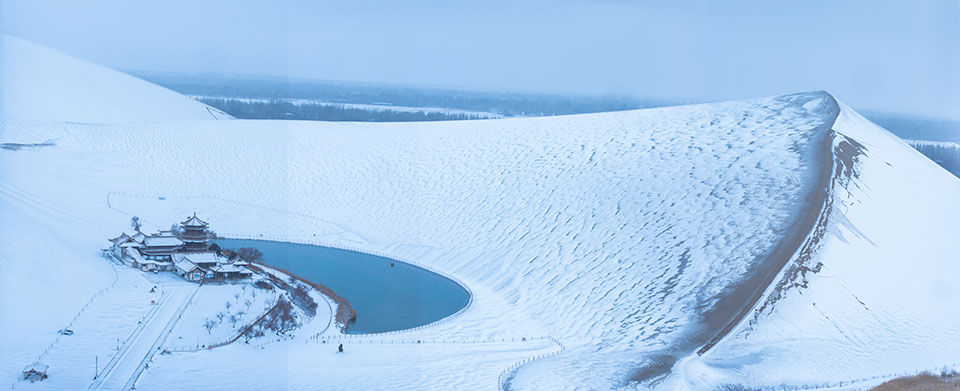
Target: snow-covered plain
{"type": "Point", "coordinates": [615, 235]}
{"type": "Point", "coordinates": [359, 106]}
{"type": "Point", "coordinates": [246, 304]}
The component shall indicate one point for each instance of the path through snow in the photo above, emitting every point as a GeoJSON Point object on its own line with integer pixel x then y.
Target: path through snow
{"type": "Point", "coordinates": [137, 354]}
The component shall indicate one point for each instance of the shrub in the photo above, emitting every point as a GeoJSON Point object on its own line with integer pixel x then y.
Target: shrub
{"type": "Point", "coordinates": [250, 254]}
{"type": "Point", "coordinates": [281, 317]}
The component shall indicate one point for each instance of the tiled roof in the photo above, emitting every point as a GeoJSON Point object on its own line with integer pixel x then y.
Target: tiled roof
{"type": "Point", "coordinates": [194, 222]}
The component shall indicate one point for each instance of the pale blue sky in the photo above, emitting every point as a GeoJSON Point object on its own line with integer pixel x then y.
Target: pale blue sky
{"type": "Point", "coordinates": [900, 56]}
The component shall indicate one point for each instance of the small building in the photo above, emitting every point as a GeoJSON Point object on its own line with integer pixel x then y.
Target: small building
{"type": "Point", "coordinates": [35, 372]}
{"type": "Point", "coordinates": [189, 270]}
{"type": "Point", "coordinates": [229, 271]}
{"type": "Point", "coordinates": [124, 245]}
{"type": "Point", "coordinates": [116, 242]}
{"type": "Point", "coordinates": [204, 259]}
{"type": "Point", "coordinates": [149, 265]}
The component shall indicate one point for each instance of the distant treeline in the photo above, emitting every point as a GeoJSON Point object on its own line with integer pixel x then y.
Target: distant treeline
{"type": "Point", "coordinates": [503, 103]}
{"type": "Point", "coordinates": [913, 127]}
{"type": "Point", "coordinates": [947, 155]}
{"type": "Point", "coordinates": [278, 109]}
{"type": "Point", "coordinates": [264, 90]}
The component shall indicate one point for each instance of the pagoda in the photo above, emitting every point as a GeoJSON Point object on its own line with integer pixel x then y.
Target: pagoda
{"type": "Point", "coordinates": [194, 234]}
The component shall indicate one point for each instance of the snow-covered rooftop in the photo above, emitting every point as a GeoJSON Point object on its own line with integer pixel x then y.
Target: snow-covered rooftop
{"type": "Point", "coordinates": [130, 242]}
{"type": "Point", "coordinates": [38, 367]}
{"type": "Point", "coordinates": [202, 257]}
{"type": "Point", "coordinates": [229, 268]}
{"type": "Point", "coordinates": [162, 241]}
{"type": "Point", "coordinates": [194, 222]}
{"type": "Point", "coordinates": [184, 265]}
{"type": "Point", "coordinates": [120, 239]}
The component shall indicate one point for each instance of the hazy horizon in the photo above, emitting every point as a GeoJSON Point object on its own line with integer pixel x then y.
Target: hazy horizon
{"type": "Point", "coordinates": [898, 58]}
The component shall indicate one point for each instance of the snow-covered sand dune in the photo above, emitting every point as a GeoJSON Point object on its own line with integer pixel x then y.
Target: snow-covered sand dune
{"type": "Point", "coordinates": [41, 84]}
{"type": "Point", "coordinates": [614, 233]}
{"type": "Point", "coordinates": [629, 239]}
{"type": "Point", "coordinates": [873, 292]}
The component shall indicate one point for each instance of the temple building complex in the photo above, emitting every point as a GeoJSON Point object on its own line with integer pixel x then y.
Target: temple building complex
{"type": "Point", "coordinates": [187, 251]}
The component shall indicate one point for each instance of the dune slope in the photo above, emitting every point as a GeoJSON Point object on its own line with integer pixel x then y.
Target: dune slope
{"type": "Point", "coordinates": [786, 239]}
{"type": "Point", "coordinates": [42, 84]}
{"type": "Point", "coordinates": [617, 234]}
{"type": "Point", "coordinates": [872, 292]}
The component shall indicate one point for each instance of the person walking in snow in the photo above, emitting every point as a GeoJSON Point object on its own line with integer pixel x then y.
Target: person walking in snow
{"type": "Point", "coordinates": [340, 349]}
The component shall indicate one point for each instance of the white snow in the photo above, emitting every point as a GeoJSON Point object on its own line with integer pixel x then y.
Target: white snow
{"type": "Point", "coordinates": [102, 327]}
{"type": "Point", "coordinates": [41, 84]}
{"type": "Point", "coordinates": [162, 241]}
{"type": "Point", "coordinates": [145, 341]}
{"type": "Point", "coordinates": [885, 301]}
{"type": "Point", "coordinates": [363, 366]}
{"type": "Point", "coordinates": [190, 333]}
{"type": "Point", "coordinates": [605, 231]}
{"type": "Point", "coordinates": [600, 239]}
{"type": "Point", "coordinates": [200, 257]}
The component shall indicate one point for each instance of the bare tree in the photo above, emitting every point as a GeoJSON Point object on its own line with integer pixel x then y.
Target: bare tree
{"type": "Point", "coordinates": [135, 223]}
{"type": "Point", "coordinates": [233, 320]}
{"type": "Point", "coordinates": [209, 325]}
{"type": "Point", "coordinates": [236, 297]}
{"type": "Point", "coordinates": [220, 316]}
{"type": "Point", "coordinates": [228, 306]}
{"type": "Point", "coordinates": [250, 254]}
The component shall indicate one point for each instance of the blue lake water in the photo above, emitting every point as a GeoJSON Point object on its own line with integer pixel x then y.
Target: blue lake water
{"type": "Point", "coordinates": [387, 294]}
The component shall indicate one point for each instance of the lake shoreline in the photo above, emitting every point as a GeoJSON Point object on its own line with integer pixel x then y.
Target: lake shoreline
{"type": "Point", "coordinates": [393, 295]}
{"type": "Point", "coordinates": [345, 312]}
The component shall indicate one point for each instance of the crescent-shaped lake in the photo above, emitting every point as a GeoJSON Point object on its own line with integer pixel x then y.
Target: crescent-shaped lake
{"type": "Point", "coordinates": [387, 294]}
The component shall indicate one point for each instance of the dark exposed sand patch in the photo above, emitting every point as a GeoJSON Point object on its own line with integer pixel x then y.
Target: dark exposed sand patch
{"type": "Point", "coordinates": [751, 290]}
{"type": "Point", "coordinates": [922, 382]}
{"type": "Point", "coordinates": [845, 156]}
{"type": "Point", "coordinates": [736, 302]}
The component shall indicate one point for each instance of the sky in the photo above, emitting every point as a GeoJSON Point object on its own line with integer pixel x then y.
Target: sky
{"type": "Point", "coordinates": [896, 56]}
